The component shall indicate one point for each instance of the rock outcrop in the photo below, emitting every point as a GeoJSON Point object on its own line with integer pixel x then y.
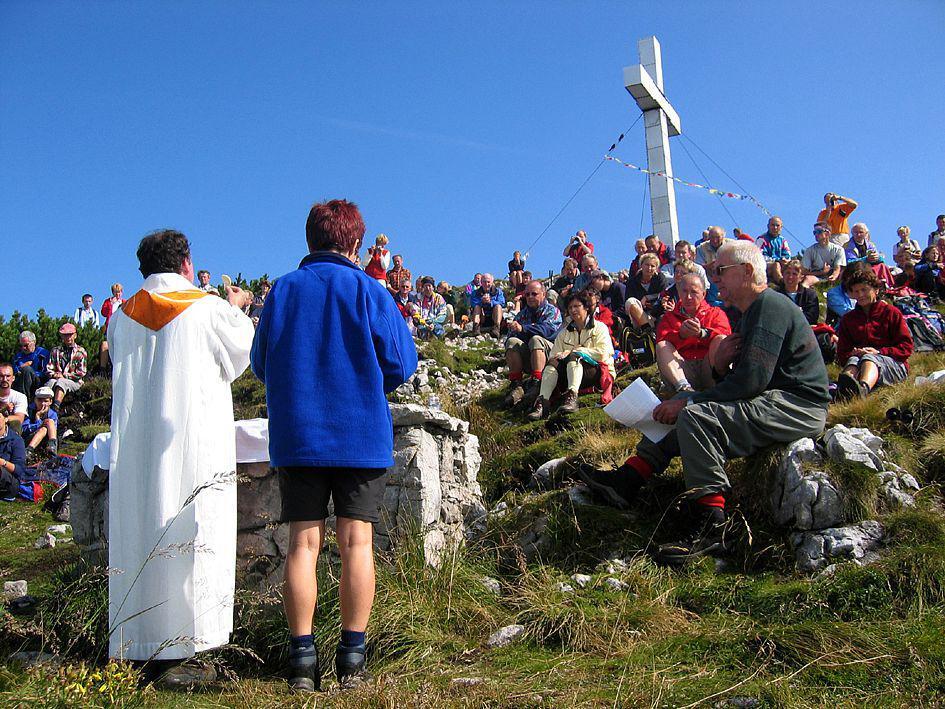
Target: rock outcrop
{"type": "Point", "coordinates": [432, 490]}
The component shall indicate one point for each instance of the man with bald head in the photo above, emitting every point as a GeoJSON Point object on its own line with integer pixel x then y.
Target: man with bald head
{"type": "Point", "coordinates": [529, 340]}
{"type": "Point", "coordinates": [707, 250]}
{"type": "Point", "coordinates": [487, 302]}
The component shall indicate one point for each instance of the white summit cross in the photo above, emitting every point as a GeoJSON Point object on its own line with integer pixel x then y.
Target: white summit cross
{"type": "Point", "coordinates": [645, 83]}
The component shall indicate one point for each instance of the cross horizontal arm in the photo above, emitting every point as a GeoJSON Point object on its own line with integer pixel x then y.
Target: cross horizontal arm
{"type": "Point", "coordinates": [648, 97]}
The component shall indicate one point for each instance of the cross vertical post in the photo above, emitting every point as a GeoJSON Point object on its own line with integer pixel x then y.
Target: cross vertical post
{"type": "Point", "coordinates": [645, 83]}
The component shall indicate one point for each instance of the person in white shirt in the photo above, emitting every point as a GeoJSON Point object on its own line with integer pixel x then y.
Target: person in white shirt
{"type": "Point", "coordinates": [13, 404]}
{"type": "Point", "coordinates": [86, 315]}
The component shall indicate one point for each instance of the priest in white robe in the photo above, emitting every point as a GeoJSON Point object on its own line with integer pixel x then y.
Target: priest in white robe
{"type": "Point", "coordinates": [172, 481]}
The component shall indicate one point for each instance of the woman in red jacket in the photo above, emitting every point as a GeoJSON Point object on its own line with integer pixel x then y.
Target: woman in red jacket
{"type": "Point", "coordinates": [874, 342]}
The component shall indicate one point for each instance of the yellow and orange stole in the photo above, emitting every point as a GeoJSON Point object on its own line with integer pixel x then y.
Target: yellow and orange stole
{"type": "Point", "coordinates": [155, 310]}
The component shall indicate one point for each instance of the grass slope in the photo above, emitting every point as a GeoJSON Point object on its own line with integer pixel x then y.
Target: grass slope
{"type": "Point", "coordinates": [864, 636]}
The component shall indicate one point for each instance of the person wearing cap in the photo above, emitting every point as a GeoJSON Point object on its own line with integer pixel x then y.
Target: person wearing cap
{"type": "Point", "coordinates": [67, 365]}
{"type": "Point", "coordinates": [13, 403]}
{"type": "Point", "coordinates": [430, 313]}
{"type": "Point", "coordinates": [822, 260]}
{"type": "Point", "coordinates": [41, 423]}
{"type": "Point", "coordinates": [12, 461]}
{"type": "Point", "coordinates": [29, 365]}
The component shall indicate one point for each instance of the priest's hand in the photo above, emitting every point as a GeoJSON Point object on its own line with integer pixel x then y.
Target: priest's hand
{"type": "Point", "coordinates": [238, 297]}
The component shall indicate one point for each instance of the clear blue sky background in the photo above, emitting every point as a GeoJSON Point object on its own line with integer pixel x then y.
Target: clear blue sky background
{"type": "Point", "coordinates": [460, 128]}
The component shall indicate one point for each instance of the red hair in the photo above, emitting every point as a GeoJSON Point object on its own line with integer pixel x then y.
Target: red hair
{"type": "Point", "coordinates": [334, 226]}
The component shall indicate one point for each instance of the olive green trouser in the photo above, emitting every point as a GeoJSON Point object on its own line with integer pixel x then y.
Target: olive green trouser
{"type": "Point", "coordinates": [710, 433]}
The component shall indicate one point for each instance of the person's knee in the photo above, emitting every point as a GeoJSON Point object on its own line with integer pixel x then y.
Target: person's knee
{"type": "Point", "coordinates": [354, 535]}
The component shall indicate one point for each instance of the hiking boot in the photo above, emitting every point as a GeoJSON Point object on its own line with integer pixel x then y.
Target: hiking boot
{"type": "Point", "coordinates": [187, 675]}
{"type": "Point", "coordinates": [847, 387]}
{"type": "Point", "coordinates": [349, 666]}
{"type": "Point", "coordinates": [569, 402]}
{"type": "Point", "coordinates": [708, 534]}
{"type": "Point", "coordinates": [618, 488]}
{"type": "Point", "coordinates": [52, 446]}
{"type": "Point", "coordinates": [539, 409]}
{"type": "Point", "coordinates": [515, 395]}
{"type": "Point", "coordinates": [495, 332]}
{"type": "Point", "coordinates": [531, 392]}
{"type": "Point", "coordinates": [304, 672]}
{"type": "Point", "coordinates": [475, 330]}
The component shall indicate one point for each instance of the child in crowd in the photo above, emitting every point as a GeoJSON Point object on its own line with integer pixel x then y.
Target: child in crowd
{"type": "Point", "coordinates": [41, 423]}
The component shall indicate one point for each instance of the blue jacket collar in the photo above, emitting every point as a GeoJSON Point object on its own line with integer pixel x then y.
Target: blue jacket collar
{"type": "Point", "coordinates": [326, 257]}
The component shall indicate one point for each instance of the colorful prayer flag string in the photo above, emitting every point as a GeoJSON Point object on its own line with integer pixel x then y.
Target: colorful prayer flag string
{"type": "Point", "coordinates": [711, 190]}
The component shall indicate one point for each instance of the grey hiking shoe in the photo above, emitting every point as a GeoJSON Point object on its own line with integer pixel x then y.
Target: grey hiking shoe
{"type": "Point", "coordinates": [349, 666]}
{"type": "Point", "coordinates": [708, 535]}
{"type": "Point", "coordinates": [304, 672]}
{"type": "Point", "coordinates": [515, 395]}
{"type": "Point", "coordinates": [186, 675]}
{"type": "Point", "coordinates": [539, 409]}
{"type": "Point", "coordinates": [569, 402]}
{"type": "Point", "coordinates": [618, 488]}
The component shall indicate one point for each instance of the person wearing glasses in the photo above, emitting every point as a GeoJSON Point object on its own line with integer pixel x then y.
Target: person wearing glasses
{"type": "Point", "coordinates": [529, 341]}
{"type": "Point", "coordinates": [770, 387]}
{"type": "Point", "coordinates": [822, 260]}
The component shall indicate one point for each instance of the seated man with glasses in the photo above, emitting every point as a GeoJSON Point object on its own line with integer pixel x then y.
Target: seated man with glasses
{"type": "Point", "coordinates": [772, 390]}
{"type": "Point", "coordinates": [822, 260]}
{"type": "Point", "coordinates": [529, 340]}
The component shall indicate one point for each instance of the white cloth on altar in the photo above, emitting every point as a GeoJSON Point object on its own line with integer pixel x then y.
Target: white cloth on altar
{"type": "Point", "coordinates": [172, 477]}
{"type": "Point", "coordinates": [252, 445]}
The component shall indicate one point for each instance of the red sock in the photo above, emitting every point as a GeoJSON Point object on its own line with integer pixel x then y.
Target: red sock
{"type": "Point", "coordinates": [712, 501]}
{"type": "Point", "coordinates": [515, 376]}
{"type": "Point", "coordinates": [643, 469]}
{"type": "Point", "coordinates": [536, 374]}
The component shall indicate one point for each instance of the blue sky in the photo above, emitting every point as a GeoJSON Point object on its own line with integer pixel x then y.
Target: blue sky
{"type": "Point", "coordinates": [459, 128]}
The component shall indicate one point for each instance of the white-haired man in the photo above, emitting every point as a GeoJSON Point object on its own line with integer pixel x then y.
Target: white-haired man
{"type": "Point", "coordinates": [487, 302]}
{"type": "Point", "coordinates": [707, 251]}
{"type": "Point", "coordinates": [772, 389]}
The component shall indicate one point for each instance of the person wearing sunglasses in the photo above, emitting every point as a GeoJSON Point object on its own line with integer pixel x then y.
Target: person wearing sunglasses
{"type": "Point", "coordinates": [822, 260]}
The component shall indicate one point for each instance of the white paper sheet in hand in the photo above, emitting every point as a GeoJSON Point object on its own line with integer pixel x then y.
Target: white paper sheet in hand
{"type": "Point", "coordinates": [633, 407]}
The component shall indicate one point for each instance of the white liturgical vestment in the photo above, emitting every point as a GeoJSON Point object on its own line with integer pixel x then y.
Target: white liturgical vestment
{"type": "Point", "coordinates": [172, 481]}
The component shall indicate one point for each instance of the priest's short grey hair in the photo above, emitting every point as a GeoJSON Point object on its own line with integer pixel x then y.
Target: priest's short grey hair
{"type": "Point", "coordinates": [741, 251]}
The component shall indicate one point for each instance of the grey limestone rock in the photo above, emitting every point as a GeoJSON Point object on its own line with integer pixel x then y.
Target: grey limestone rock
{"type": "Point", "coordinates": [505, 636]}
{"type": "Point", "coordinates": [14, 589]}
{"type": "Point", "coordinates": [815, 550]}
{"type": "Point", "coordinates": [491, 584]}
{"type": "Point", "coordinates": [615, 584]}
{"type": "Point", "coordinates": [580, 580]}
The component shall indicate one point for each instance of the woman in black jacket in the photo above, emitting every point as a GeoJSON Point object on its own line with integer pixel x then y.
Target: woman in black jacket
{"type": "Point", "coordinates": [803, 297]}
{"type": "Point", "coordinates": [643, 292]}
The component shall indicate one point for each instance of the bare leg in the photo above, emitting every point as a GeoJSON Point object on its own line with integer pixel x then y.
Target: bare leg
{"type": "Point", "coordinates": [497, 316]}
{"type": "Point", "coordinates": [514, 361]}
{"type": "Point", "coordinates": [356, 591]}
{"type": "Point", "coordinates": [538, 360]}
{"type": "Point", "coordinates": [300, 588]}
{"type": "Point", "coordinates": [669, 362]}
{"type": "Point", "coordinates": [476, 316]}
{"type": "Point", "coordinates": [636, 313]}
{"type": "Point", "coordinates": [809, 281]}
{"type": "Point", "coordinates": [869, 373]}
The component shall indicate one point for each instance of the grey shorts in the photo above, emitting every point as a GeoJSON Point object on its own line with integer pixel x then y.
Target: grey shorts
{"type": "Point", "coordinates": [698, 373]}
{"type": "Point", "coordinates": [890, 371]}
{"type": "Point", "coordinates": [67, 385]}
{"type": "Point", "coordinates": [524, 349]}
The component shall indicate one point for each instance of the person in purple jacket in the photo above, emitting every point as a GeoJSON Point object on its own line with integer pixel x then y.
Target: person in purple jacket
{"type": "Point", "coordinates": [330, 345]}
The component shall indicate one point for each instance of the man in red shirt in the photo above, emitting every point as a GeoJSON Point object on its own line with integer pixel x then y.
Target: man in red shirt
{"type": "Point", "coordinates": [688, 336]}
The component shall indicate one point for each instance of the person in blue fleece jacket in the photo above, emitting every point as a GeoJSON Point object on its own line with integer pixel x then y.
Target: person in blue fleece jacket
{"type": "Point", "coordinates": [330, 345]}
